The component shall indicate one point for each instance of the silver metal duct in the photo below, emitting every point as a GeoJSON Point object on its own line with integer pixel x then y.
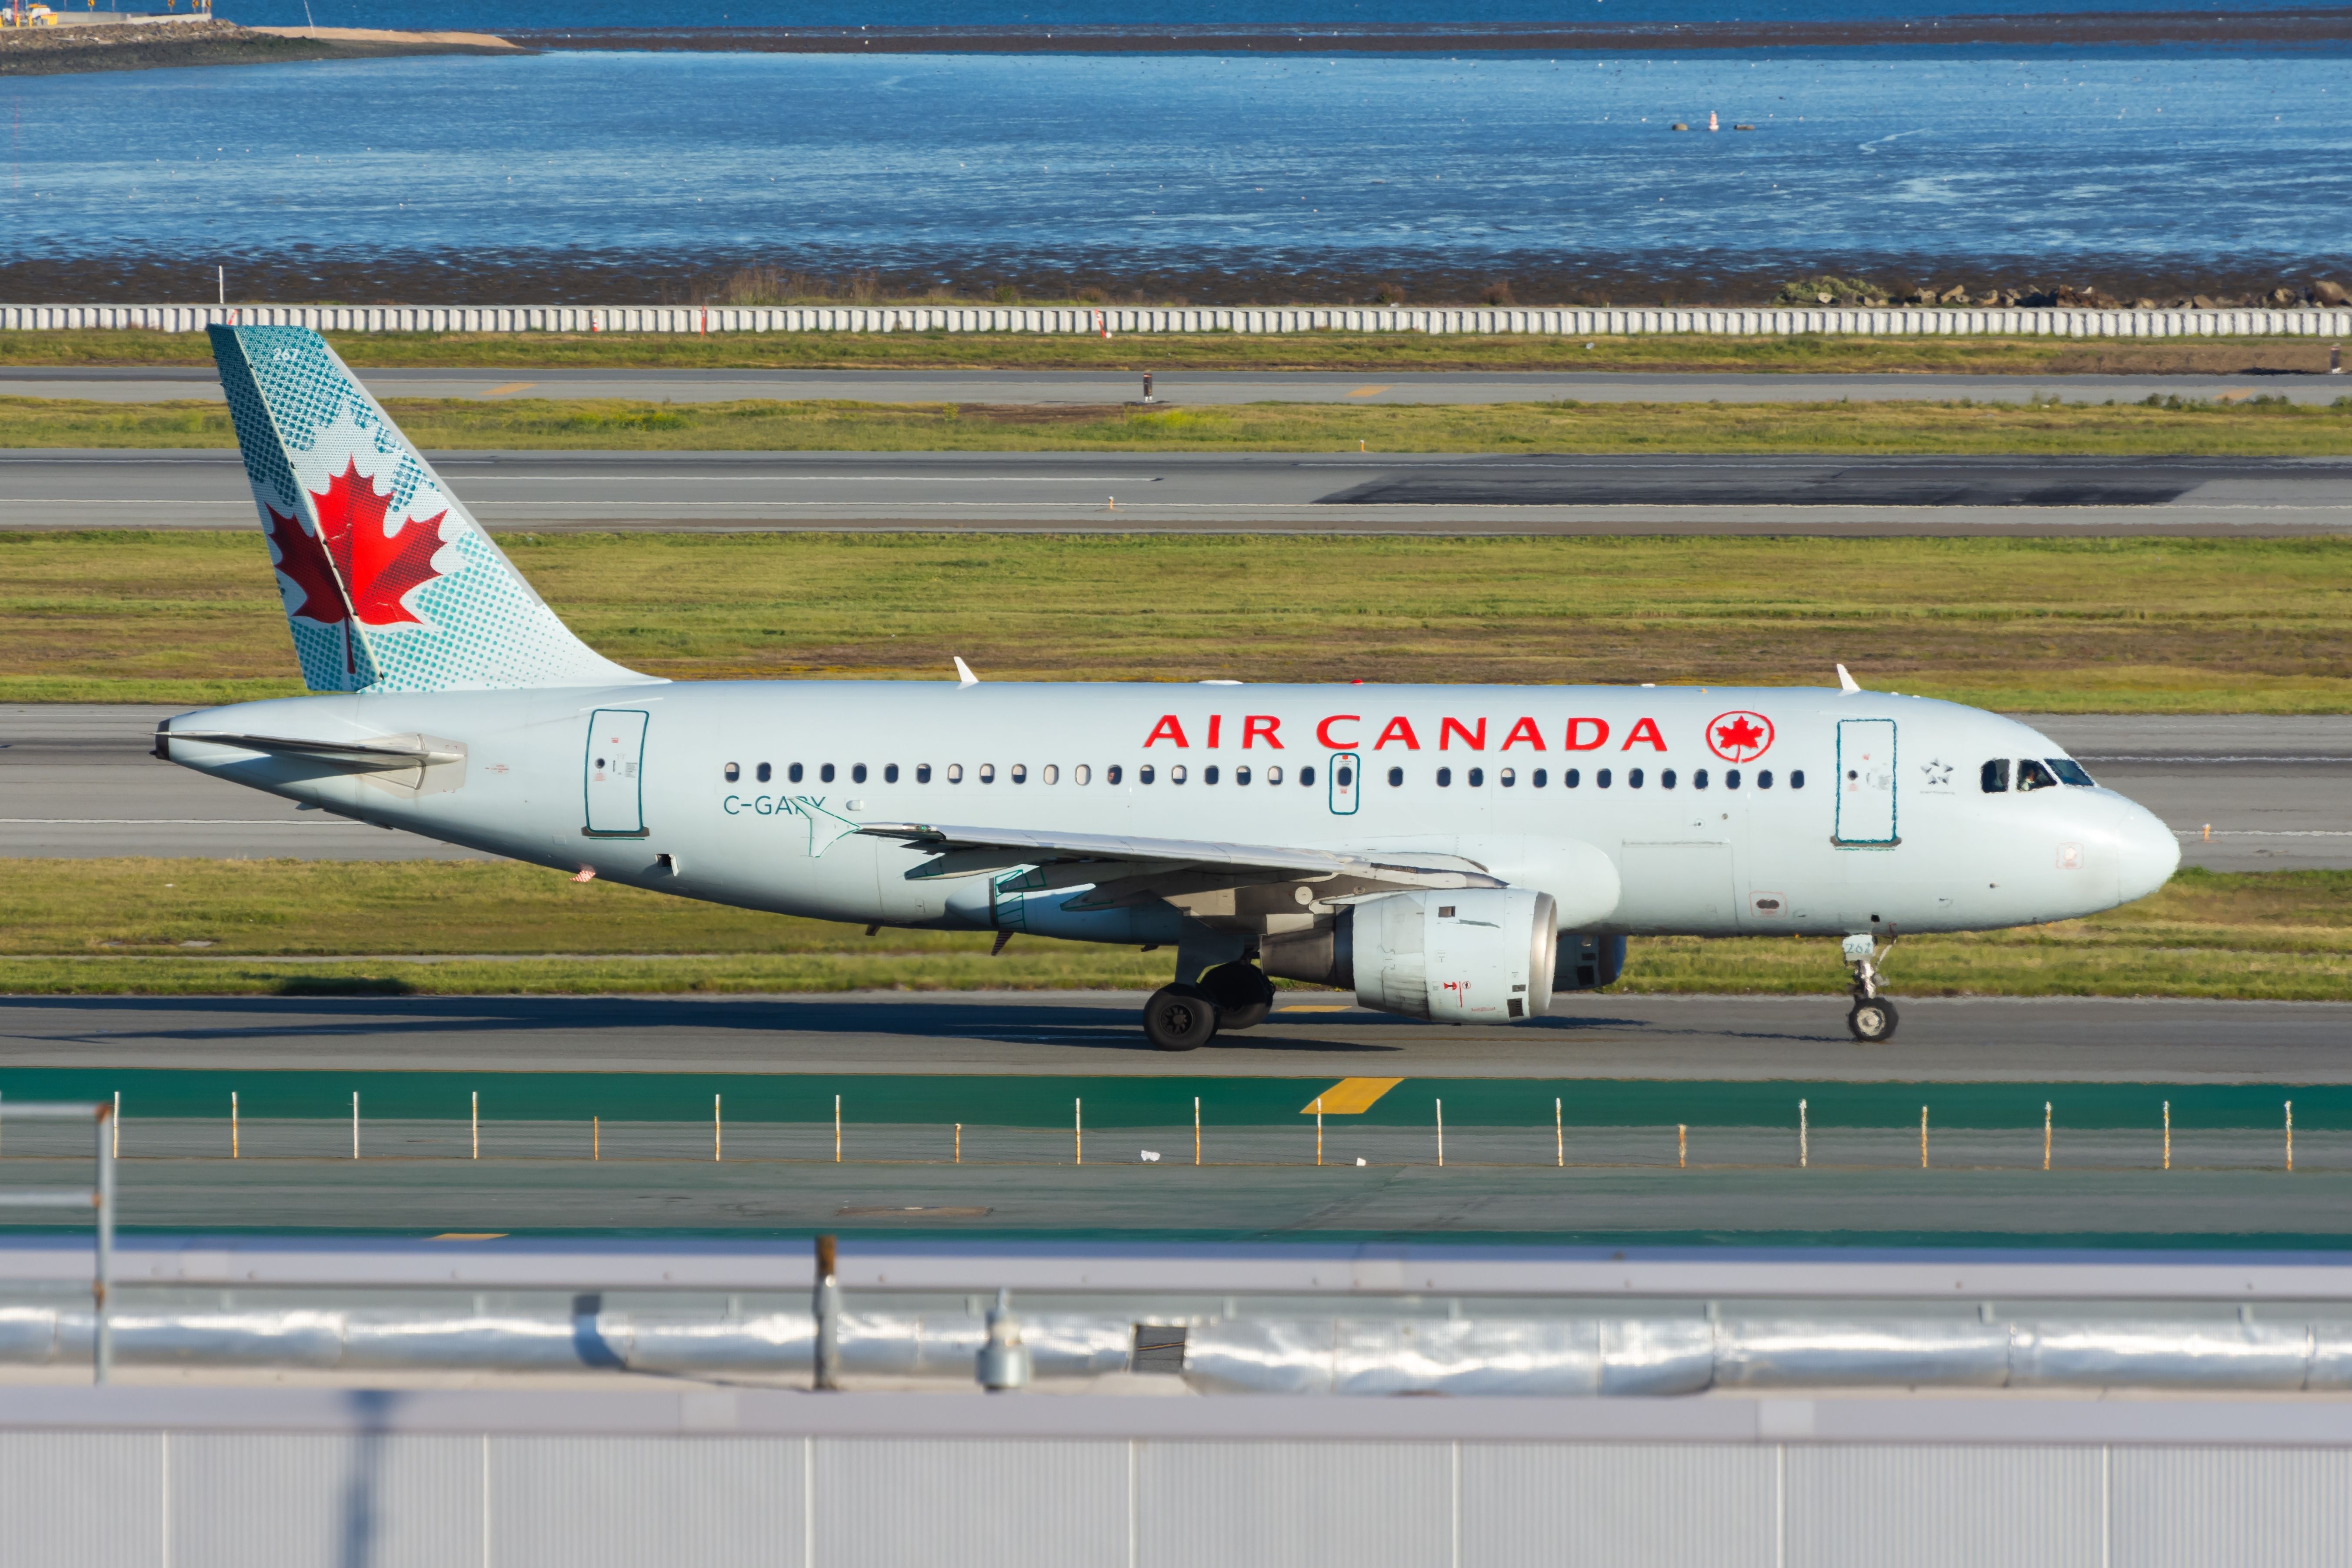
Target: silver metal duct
{"type": "Point", "coordinates": [1557, 1356]}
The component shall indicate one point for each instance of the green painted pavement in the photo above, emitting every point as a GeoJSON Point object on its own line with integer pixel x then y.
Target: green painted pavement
{"type": "Point", "coordinates": [1032, 1101]}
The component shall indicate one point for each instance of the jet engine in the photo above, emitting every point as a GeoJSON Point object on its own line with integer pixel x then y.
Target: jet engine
{"type": "Point", "coordinates": [1470, 956]}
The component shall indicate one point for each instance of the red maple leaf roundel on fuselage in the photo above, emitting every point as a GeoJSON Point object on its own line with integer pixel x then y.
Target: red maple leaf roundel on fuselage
{"type": "Point", "coordinates": [1739, 736]}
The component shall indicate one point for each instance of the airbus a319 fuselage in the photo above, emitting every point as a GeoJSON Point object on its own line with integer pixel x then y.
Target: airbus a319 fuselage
{"type": "Point", "coordinates": [1457, 853]}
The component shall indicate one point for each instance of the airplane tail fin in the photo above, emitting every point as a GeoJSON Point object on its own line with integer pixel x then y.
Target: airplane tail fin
{"type": "Point", "coordinates": [389, 585]}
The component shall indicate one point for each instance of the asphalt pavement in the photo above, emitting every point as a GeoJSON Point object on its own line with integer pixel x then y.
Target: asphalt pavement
{"type": "Point", "coordinates": [82, 781]}
{"type": "Point", "coordinates": [1312, 1036]}
{"type": "Point", "coordinates": [1190, 388]}
{"type": "Point", "coordinates": [1344, 492]}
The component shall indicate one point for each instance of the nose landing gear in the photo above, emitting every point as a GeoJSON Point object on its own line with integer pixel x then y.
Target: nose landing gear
{"type": "Point", "coordinates": [1872, 1017]}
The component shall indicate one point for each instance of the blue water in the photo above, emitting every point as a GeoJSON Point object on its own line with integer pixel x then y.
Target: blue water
{"type": "Point", "coordinates": [1190, 160]}
{"type": "Point", "coordinates": [497, 14]}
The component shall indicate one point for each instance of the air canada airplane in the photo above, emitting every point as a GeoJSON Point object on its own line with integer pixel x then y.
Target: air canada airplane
{"type": "Point", "coordinates": [1461, 854]}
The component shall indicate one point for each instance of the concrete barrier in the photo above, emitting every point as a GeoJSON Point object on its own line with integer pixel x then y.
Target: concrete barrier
{"type": "Point", "coordinates": [1254, 320]}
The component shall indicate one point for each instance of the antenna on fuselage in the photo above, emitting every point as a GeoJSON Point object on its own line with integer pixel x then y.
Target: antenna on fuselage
{"type": "Point", "coordinates": [964, 676]}
{"type": "Point", "coordinates": [1845, 681]}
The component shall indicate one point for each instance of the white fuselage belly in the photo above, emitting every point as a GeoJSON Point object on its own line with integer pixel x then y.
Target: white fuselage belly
{"type": "Point", "coordinates": [1890, 829]}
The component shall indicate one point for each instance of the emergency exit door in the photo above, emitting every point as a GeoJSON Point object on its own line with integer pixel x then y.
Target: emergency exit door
{"type": "Point", "coordinates": [613, 768]}
{"type": "Point", "coordinates": [1346, 774]}
{"type": "Point", "coordinates": [1866, 782]}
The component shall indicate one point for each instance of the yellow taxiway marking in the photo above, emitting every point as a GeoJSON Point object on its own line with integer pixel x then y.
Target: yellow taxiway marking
{"type": "Point", "coordinates": [471, 1235]}
{"type": "Point", "coordinates": [1368, 391]}
{"type": "Point", "coordinates": [1351, 1096]}
{"type": "Point", "coordinates": [511, 386]}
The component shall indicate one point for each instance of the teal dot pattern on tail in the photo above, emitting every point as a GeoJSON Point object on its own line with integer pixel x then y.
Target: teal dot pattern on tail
{"type": "Point", "coordinates": [321, 452]}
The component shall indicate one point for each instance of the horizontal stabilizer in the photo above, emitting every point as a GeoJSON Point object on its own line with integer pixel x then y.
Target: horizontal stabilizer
{"type": "Point", "coordinates": [384, 754]}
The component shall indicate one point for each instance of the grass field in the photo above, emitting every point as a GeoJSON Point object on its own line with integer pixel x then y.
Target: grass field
{"type": "Point", "coordinates": [91, 926]}
{"type": "Point", "coordinates": [1217, 351]}
{"type": "Point", "coordinates": [2136, 430]}
{"type": "Point", "coordinates": [2122, 625]}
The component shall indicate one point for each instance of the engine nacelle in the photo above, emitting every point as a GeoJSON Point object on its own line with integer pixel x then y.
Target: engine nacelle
{"type": "Point", "coordinates": [1472, 955]}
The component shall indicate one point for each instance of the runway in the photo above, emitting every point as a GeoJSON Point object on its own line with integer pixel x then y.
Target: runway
{"type": "Point", "coordinates": [83, 781]}
{"type": "Point", "coordinates": [1190, 387]}
{"type": "Point", "coordinates": [1678, 1120]}
{"type": "Point", "coordinates": [1257, 492]}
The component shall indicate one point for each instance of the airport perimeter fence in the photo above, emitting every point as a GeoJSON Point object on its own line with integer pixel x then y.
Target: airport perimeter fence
{"type": "Point", "coordinates": [1565, 322]}
{"type": "Point", "coordinates": [1549, 1137]}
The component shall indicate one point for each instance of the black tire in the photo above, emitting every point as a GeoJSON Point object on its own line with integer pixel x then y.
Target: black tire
{"type": "Point", "coordinates": [1179, 1019]}
{"type": "Point", "coordinates": [1873, 1021]}
{"type": "Point", "coordinates": [1243, 994]}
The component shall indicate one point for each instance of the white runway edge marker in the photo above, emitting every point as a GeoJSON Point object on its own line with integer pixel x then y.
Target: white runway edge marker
{"type": "Point", "coordinates": [1150, 1156]}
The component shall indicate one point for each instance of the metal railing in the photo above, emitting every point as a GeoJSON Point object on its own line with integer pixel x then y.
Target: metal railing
{"type": "Point", "coordinates": [99, 1197]}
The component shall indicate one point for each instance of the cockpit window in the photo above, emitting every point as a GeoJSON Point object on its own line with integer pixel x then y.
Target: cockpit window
{"type": "Point", "coordinates": [2070, 771]}
{"type": "Point", "coordinates": [2032, 774]}
{"type": "Point", "coordinates": [1996, 776]}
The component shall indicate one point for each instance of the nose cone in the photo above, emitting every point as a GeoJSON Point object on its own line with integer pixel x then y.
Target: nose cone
{"type": "Point", "coordinates": [2147, 851]}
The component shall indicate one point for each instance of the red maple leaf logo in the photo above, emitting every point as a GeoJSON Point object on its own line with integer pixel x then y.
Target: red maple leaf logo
{"type": "Point", "coordinates": [304, 560]}
{"type": "Point", "coordinates": [377, 568]}
{"type": "Point", "coordinates": [1739, 737]}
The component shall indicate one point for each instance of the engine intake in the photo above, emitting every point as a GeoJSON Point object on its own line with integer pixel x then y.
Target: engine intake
{"type": "Point", "coordinates": [1472, 955]}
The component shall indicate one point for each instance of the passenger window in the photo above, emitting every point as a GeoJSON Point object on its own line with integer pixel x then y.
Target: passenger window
{"type": "Point", "coordinates": [763, 773]}
{"type": "Point", "coordinates": [1698, 779]}
{"type": "Point", "coordinates": [955, 773]}
{"type": "Point", "coordinates": [1111, 775]}
{"type": "Point", "coordinates": [1572, 778]}
{"type": "Point", "coordinates": [1731, 778]}
{"type": "Point", "coordinates": [2070, 771]}
{"type": "Point", "coordinates": [922, 773]}
{"type": "Point", "coordinates": [857, 773]}
{"type": "Point", "coordinates": [1082, 774]}
{"type": "Point", "coordinates": [1021, 772]}
{"type": "Point", "coordinates": [1601, 779]}
{"type": "Point", "coordinates": [733, 771]}
{"type": "Point", "coordinates": [988, 773]}
{"type": "Point", "coordinates": [2032, 774]}
{"type": "Point", "coordinates": [1209, 773]}
{"type": "Point", "coordinates": [1052, 773]}
{"type": "Point", "coordinates": [825, 773]}
{"type": "Point", "coordinates": [1796, 778]}
{"type": "Point", "coordinates": [891, 772]}
{"type": "Point", "coordinates": [1995, 776]}
{"type": "Point", "coordinates": [1506, 778]}
{"type": "Point", "coordinates": [1273, 775]}
{"type": "Point", "coordinates": [1538, 780]}
{"type": "Point", "coordinates": [1143, 774]}
{"type": "Point", "coordinates": [1445, 778]}
{"type": "Point", "coordinates": [1477, 778]}
{"type": "Point", "coordinates": [1306, 776]}
{"type": "Point", "coordinates": [1632, 778]}
{"type": "Point", "coordinates": [793, 772]}
{"type": "Point", "coordinates": [1666, 779]}
{"type": "Point", "coordinates": [1176, 773]}
{"type": "Point", "coordinates": [1240, 776]}
{"type": "Point", "coordinates": [1764, 779]}
{"type": "Point", "coordinates": [1396, 778]}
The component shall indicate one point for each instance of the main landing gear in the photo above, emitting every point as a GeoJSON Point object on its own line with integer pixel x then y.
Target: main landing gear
{"type": "Point", "coordinates": [1185, 1016]}
{"type": "Point", "coordinates": [1874, 1017]}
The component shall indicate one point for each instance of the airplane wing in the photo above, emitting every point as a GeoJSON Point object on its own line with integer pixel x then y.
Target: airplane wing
{"type": "Point", "coordinates": [1128, 870]}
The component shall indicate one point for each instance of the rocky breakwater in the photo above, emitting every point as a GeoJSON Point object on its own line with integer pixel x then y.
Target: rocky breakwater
{"type": "Point", "coordinates": [70, 48]}
{"type": "Point", "coordinates": [2319, 294]}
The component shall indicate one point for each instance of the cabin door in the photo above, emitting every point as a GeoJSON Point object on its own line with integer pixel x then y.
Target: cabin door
{"type": "Point", "coordinates": [1866, 782]}
{"type": "Point", "coordinates": [612, 769]}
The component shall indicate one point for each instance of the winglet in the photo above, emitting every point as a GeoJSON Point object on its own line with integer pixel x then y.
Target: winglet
{"type": "Point", "coordinates": [964, 676]}
{"type": "Point", "coordinates": [1845, 681]}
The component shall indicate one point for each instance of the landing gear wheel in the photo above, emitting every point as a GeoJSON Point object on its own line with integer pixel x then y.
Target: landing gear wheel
{"type": "Point", "coordinates": [1178, 1018]}
{"type": "Point", "coordinates": [1873, 1020]}
{"type": "Point", "coordinates": [1244, 996]}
